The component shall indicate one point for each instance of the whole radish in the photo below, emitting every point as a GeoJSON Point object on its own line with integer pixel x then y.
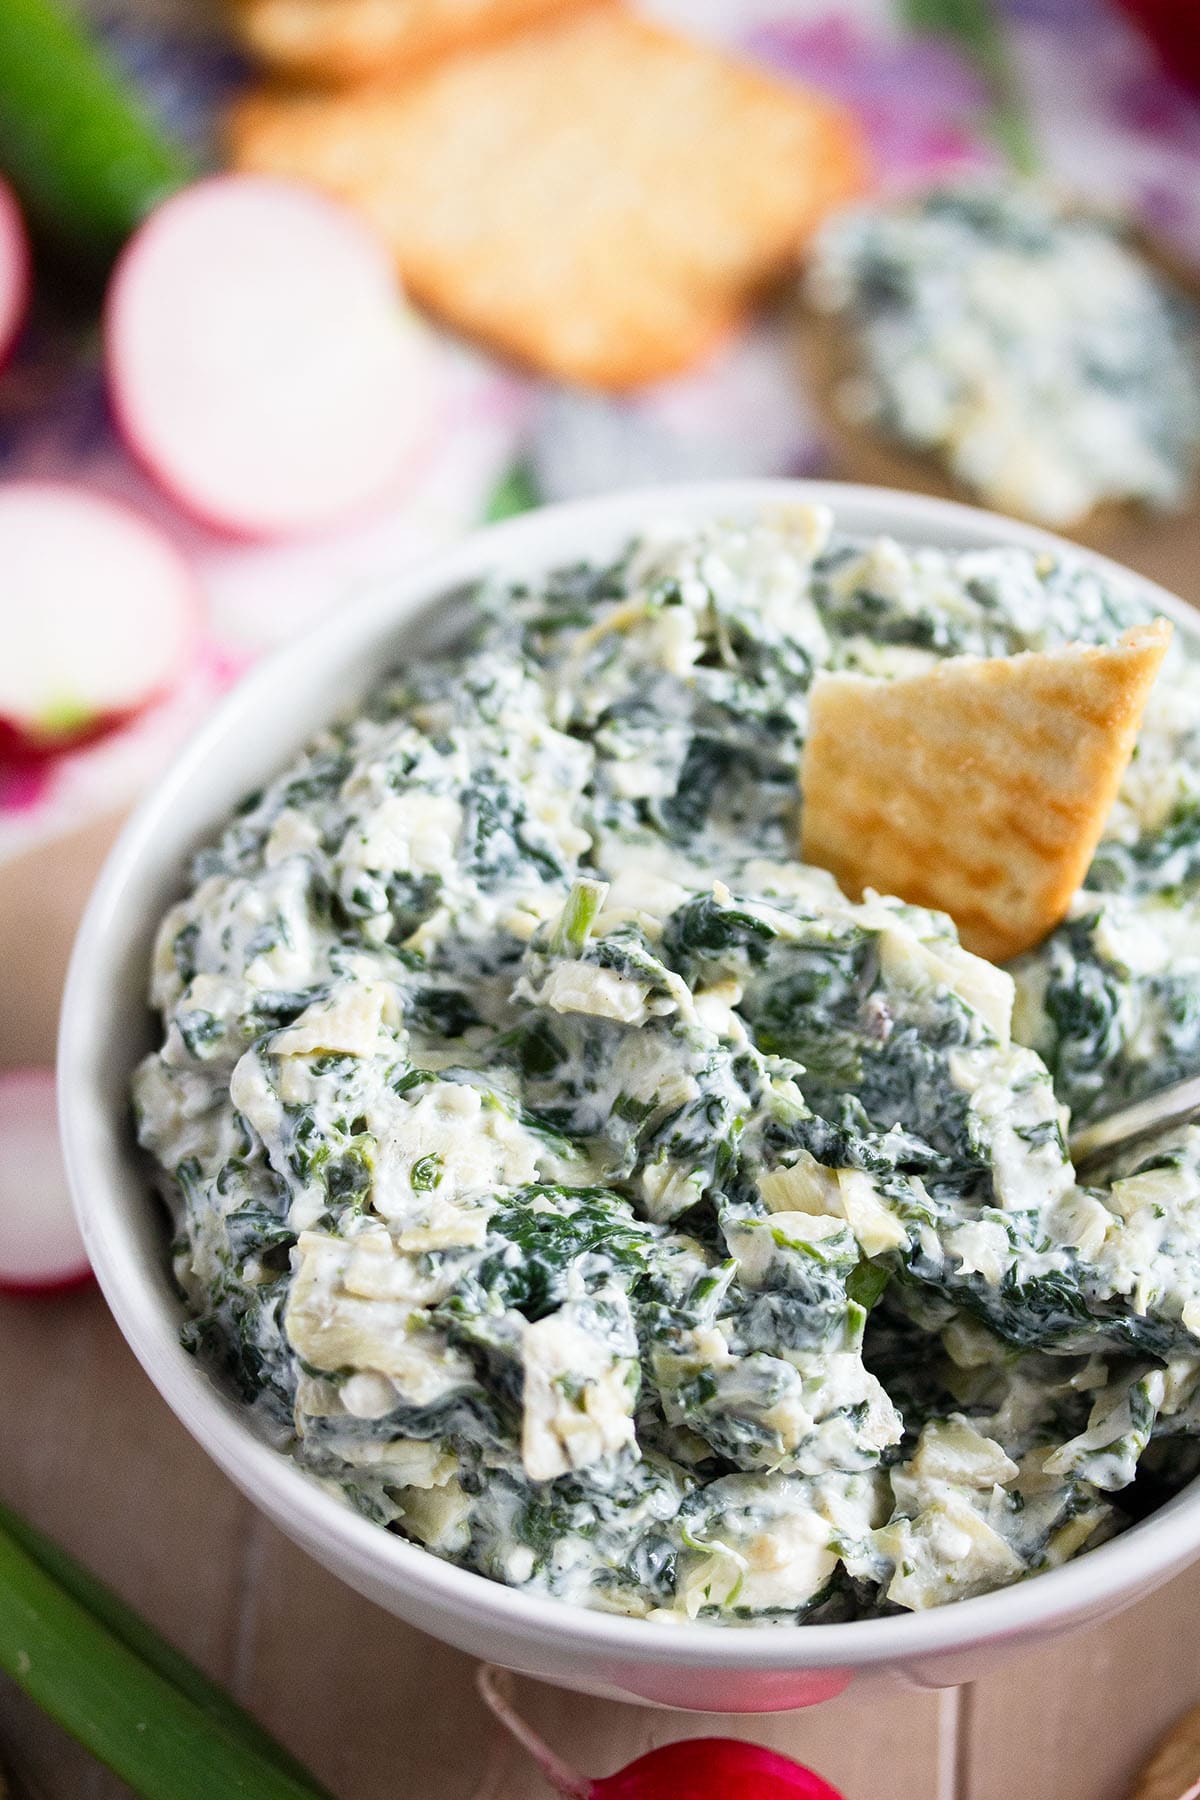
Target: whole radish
{"type": "Point", "coordinates": [692, 1769]}
{"type": "Point", "coordinates": [1171, 26]}
{"type": "Point", "coordinates": [41, 1251]}
{"type": "Point", "coordinates": [14, 272]}
{"type": "Point", "coordinates": [100, 613]}
{"type": "Point", "coordinates": [261, 364]}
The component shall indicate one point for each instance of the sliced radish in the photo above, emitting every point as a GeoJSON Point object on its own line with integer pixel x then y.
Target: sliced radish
{"type": "Point", "coordinates": [41, 1251]}
{"type": "Point", "coordinates": [14, 271]}
{"type": "Point", "coordinates": [260, 360]}
{"type": "Point", "coordinates": [100, 611]}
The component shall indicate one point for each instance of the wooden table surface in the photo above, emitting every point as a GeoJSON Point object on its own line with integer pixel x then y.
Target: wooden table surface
{"type": "Point", "coordinates": [380, 1712]}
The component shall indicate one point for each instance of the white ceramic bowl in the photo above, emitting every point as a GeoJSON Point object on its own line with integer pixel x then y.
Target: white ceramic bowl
{"type": "Point", "coordinates": [106, 1027]}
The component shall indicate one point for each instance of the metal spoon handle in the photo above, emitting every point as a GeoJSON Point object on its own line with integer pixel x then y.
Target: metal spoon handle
{"type": "Point", "coordinates": [1170, 1106]}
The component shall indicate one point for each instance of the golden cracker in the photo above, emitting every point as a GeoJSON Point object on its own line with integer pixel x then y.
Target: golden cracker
{"type": "Point", "coordinates": [598, 197]}
{"type": "Point", "coordinates": [979, 787]}
{"type": "Point", "coordinates": [343, 41]}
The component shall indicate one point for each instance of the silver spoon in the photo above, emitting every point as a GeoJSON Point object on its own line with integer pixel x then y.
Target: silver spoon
{"type": "Point", "coordinates": [1121, 1130]}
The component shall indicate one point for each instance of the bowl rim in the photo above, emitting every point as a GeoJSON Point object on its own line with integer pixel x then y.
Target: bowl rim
{"type": "Point", "coordinates": [148, 1314]}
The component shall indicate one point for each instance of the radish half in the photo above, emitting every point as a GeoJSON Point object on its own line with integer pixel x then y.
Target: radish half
{"type": "Point", "coordinates": [15, 267]}
{"type": "Point", "coordinates": [100, 612]}
{"type": "Point", "coordinates": [41, 1251]}
{"type": "Point", "coordinates": [261, 364]}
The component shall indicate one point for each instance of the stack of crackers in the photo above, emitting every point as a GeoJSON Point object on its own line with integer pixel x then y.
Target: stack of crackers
{"type": "Point", "coordinates": [578, 188]}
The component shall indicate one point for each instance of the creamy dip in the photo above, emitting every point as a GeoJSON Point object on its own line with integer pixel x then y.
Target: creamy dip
{"type": "Point", "coordinates": [588, 1191]}
{"type": "Point", "coordinates": [1021, 341]}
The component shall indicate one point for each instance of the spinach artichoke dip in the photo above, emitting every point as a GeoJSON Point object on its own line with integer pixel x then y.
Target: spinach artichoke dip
{"type": "Point", "coordinates": [1021, 341]}
{"type": "Point", "coordinates": [589, 1192]}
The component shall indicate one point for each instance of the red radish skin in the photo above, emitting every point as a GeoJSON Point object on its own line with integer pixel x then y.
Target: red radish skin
{"type": "Point", "coordinates": [692, 1769]}
{"type": "Point", "coordinates": [15, 272]}
{"type": "Point", "coordinates": [41, 1251]}
{"type": "Point", "coordinates": [101, 615]}
{"type": "Point", "coordinates": [260, 362]}
{"type": "Point", "coordinates": [1171, 27]}
{"type": "Point", "coordinates": [713, 1769]}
